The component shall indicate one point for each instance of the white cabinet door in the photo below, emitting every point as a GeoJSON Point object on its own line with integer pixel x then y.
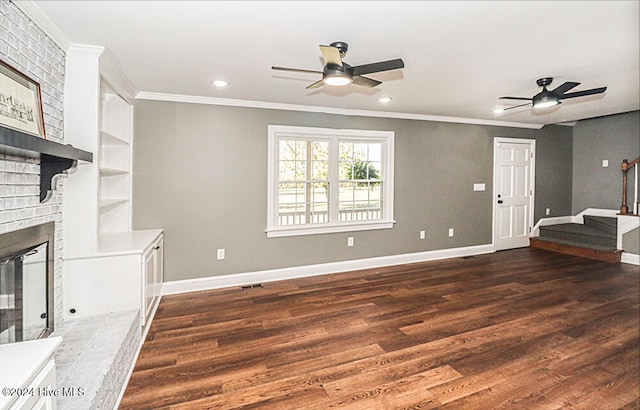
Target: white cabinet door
{"type": "Point", "coordinates": [148, 285]}
{"type": "Point", "coordinates": [159, 266]}
{"type": "Point", "coordinates": [43, 382]}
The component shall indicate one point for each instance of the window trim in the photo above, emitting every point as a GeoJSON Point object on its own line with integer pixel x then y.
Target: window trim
{"type": "Point", "coordinates": [334, 136]}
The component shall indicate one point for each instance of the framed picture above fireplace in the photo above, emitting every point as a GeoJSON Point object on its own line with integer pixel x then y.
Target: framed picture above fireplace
{"type": "Point", "coordinates": [20, 102]}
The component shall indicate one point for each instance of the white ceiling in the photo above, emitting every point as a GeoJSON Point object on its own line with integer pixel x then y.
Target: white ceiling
{"type": "Point", "coordinates": [459, 56]}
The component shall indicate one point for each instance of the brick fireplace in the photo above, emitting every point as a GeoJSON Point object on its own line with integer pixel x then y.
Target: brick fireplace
{"type": "Point", "coordinates": [30, 50]}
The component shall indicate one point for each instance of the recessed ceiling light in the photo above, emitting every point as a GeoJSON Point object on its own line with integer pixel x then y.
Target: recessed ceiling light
{"type": "Point", "coordinates": [384, 100]}
{"type": "Point", "coordinates": [220, 83]}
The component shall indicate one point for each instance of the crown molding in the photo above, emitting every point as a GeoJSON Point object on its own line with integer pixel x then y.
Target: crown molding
{"type": "Point", "coordinates": [194, 99]}
{"type": "Point", "coordinates": [85, 50]}
{"type": "Point", "coordinates": [31, 10]}
{"type": "Point", "coordinates": [112, 74]}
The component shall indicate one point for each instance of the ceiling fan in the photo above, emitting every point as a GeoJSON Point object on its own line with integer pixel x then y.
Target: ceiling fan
{"type": "Point", "coordinates": [338, 73]}
{"type": "Point", "coordinates": [546, 98]}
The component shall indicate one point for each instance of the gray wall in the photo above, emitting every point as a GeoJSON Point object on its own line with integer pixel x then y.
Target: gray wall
{"type": "Point", "coordinates": [200, 173]}
{"type": "Point", "coordinates": [613, 138]}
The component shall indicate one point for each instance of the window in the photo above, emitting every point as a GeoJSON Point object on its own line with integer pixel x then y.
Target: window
{"type": "Point", "coordinates": [325, 180]}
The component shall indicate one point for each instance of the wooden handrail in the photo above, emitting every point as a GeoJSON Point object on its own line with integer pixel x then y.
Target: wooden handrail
{"type": "Point", "coordinates": [626, 166]}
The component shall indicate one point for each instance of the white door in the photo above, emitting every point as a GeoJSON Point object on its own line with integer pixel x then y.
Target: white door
{"type": "Point", "coordinates": [513, 184]}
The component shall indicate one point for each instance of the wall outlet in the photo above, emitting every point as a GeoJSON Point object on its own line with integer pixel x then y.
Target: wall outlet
{"type": "Point", "coordinates": [422, 234]}
{"type": "Point", "coordinates": [547, 211]}
{"type": "Point", "coordinates": [450, 232]}
{"type": "Point", "coordinates": [220, 254]}
{"type": "Point", "coordinates": [350, 241]}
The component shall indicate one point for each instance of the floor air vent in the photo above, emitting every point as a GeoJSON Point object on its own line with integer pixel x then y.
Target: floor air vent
{"type": "Point", "coordinates": [257, 285]}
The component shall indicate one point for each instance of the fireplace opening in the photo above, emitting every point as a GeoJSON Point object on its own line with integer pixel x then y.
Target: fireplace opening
{"type": "Point", "coordinates": [26, 283]}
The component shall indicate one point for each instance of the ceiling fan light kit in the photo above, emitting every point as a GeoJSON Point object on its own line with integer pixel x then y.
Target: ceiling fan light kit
{"type": "Point", "coordinates": [336, 76]}
{"type": "Point", "coordinates": [338, 73]}
{"type": "Point", "coordinates": [545, 101]}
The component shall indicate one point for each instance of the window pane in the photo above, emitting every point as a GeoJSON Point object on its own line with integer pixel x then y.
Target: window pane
{"type": "Point", "coordinates": [360, 201]}
{"type": "Point", "coordinates": [287, 171]}
{"type": "Point", "coordinates": [320, 170]}
{"type": "Point", "coordinates": [360, 152]}
{"type": "Point", "coordinates": [320, 151]}
{"type": "Point", "coordinates": [346, 151]}
{"type": "Point", "coordinates": [287, 150]}
{"type": "Point", "coordinates": [303, 203]}
{"type": "Point", "coordinates": [360, 160]}
{"type": "Point", "coordinates": [301, 170]}
{"type": "Point", "coordinates": [375, 152]}
{"type": "Point", "coordinates": [375, 170]}
{"type": "Point", "coordinates": [320, 192]}
{"type": "Point", "coordinates": [301, 150]}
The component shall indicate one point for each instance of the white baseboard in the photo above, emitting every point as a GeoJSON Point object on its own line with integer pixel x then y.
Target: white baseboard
{"type": "Point", "coordinates": [630, 258]}
{"type": "Point", "coordinates": [272, 275]}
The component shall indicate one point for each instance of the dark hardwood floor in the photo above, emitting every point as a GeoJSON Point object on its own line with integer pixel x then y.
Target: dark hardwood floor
{"type": "Point", "coordinates": [520, 329]}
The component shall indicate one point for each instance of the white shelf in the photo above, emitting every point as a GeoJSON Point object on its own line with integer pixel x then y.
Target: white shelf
{"type": "Point", "coordinates": [110, 203]}
{"type": "Point", "coordinates": [108, 138]}
{"type": "Point", "coordinates": [113, 171]}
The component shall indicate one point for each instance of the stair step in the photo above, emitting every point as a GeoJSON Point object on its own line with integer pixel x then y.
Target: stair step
{"type": "Point", "coordinates": [587, 251]}
{"type": "Point", "coordinates": [579, 244]}
{"type": "Point", "coordinates": [578, 233]}
{"type": "Point", "coordinates": [602, 223]}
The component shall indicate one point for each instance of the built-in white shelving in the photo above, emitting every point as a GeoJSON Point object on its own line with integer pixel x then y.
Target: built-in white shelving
{"type": "Point", "coordinates": [114, 162]}
{"type": "Point", "coordinates": [108, 266]}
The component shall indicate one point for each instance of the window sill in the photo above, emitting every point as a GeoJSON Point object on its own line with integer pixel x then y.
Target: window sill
{"type": "Point", "coordinates": [322, 229]}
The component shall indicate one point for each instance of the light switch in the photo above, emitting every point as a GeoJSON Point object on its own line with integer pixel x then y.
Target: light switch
{"type": "Point", "coordinates": [605, 163]}
{"type": "Point", "coordinates": [478, 187]}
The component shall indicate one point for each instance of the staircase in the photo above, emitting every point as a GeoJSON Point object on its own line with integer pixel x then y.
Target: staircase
{"type": "Point", "coordinates": [595, 239]}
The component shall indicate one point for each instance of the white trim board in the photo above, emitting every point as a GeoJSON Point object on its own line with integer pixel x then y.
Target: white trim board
{"type": "Point", "coordinates": [195, 99]}
{"type": "Point", "coordinates": [630, 258]}
{"type": "Point", "coordinates": [272, 275]}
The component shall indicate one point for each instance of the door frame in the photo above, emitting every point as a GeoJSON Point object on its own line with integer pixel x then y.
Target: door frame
{"type": "Point", "coordinates": [532, 183]}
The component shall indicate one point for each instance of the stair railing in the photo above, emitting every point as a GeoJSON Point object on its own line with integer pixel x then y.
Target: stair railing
{"type": "Point", "coordinates": [626, 166]}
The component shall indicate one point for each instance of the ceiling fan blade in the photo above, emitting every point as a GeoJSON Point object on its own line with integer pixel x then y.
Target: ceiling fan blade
{"type": "Point", "coordinates": [561, 89]}
{"type": "Point", "coordinates": [377, 67]}
{"type": "Point", "coordinates": [331, 55]}
{"type": "Point", "coordinates": [583, 93]}
{"type": "Point", "coordinates": [317, 84]}
{"type": "Point", "coordinates": [296, 70]}
{"type": "Point", "coordinates": [515, 98]}
{"type": "Point", "coordinates": [365, 81]}
{"type": "Point", "coordinates": [515, 106]}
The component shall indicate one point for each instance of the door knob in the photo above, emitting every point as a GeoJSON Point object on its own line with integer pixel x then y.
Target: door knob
{"type": "Point", "coordinates": [499, 201]}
